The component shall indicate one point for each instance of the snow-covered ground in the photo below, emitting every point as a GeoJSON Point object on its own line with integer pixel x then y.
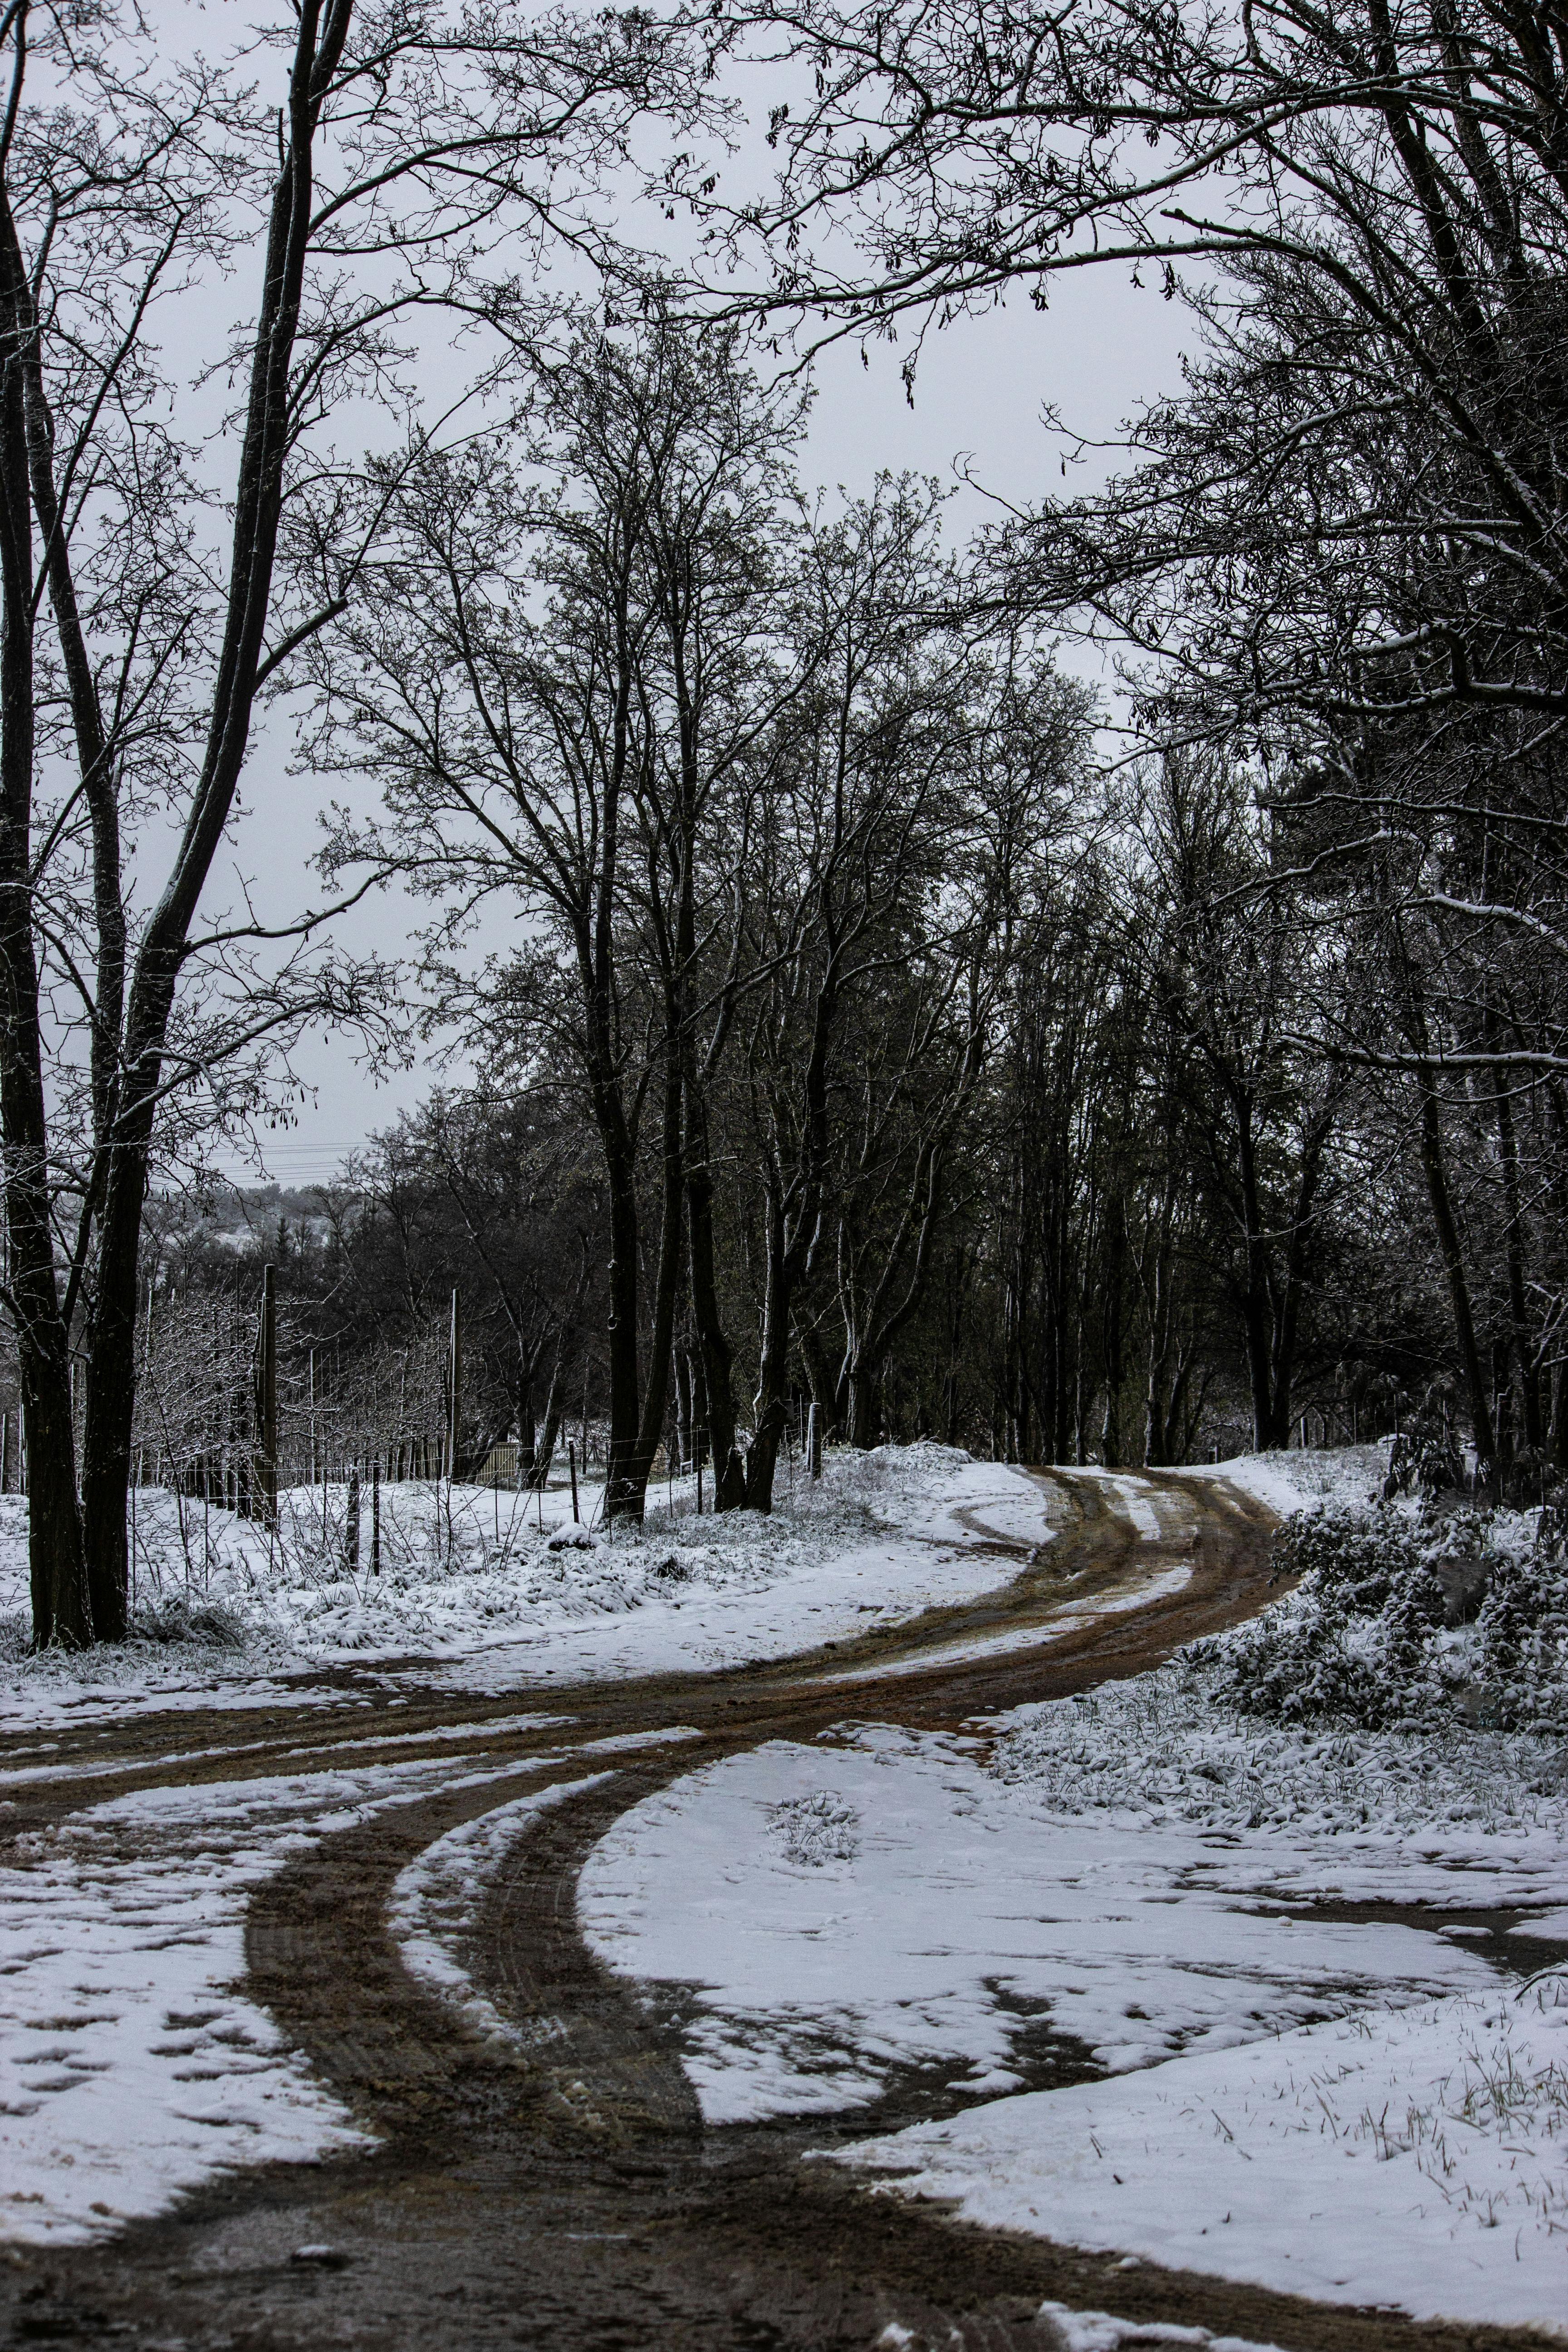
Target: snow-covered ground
{"type": "Point", "coordinates": [1291, 1481]}
{"type": "Point", "coordinates": [843, 1911]}
{"type": "Point", "coordinates": [1101, 2331]}
{"type": "Point", "coordinates": [1122, 1886]}
{"type": "Point", "coordinates": [130, 2065]}
{"type": "Point", "coordinates": [1354, 2108]}
{"type": "Point", "coordinates": [1416, 2160]}
{"type": "Point", "coordinates": [488, 1591]}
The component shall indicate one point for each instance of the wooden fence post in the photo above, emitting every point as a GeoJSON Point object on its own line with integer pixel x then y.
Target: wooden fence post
{"type": "Point", "coordinates": [266, 1472]}
{"type": "Point", "coordinates": [454, 1387]}
{"type": "Point", "coordinates": [351, 1523]}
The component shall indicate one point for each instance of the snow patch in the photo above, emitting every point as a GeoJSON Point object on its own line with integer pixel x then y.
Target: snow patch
{"type": "Point", "coordinates": [1413, 2159]}
{"type": "Point", "coordinates": [944, 1918]}
{"type": "Point", "coordinates": [1097, 2331]}
{"type": "Point", "coordinates": [432, 1906]}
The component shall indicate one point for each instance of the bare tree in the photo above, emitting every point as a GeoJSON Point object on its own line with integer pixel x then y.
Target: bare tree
{"type": "Point", "coordinates": [847, 857]}
{"type": "Point", "coordinates": [405, 151]}
{"type": "Point", "coordinates": [563, 678]}
{"type": "Point", "coordinates": [1339, 550]}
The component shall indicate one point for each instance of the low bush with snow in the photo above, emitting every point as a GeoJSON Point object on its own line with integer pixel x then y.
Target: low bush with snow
{"type": "Point", "coordinates": [1407, 1616]}
{"type": "Point", "coordinates": [1168, 1747]}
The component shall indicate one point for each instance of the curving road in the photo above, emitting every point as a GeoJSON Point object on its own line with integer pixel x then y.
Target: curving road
{"type": "Point", "coordinates": [571, 2198]}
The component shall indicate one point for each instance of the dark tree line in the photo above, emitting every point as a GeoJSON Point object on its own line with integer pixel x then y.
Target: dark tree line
{"type": "Point", "coordinates": [1333, 563]}
{"type": "Point", "coordinates": [1121, 1216]}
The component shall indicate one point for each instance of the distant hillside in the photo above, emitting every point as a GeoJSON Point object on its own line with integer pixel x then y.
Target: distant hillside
{"type": "Point", "coordinates": [238, 1217]}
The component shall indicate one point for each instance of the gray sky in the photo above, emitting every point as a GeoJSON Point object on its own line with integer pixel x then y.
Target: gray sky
{"type": "Point", "coordinates": [1102, 348]}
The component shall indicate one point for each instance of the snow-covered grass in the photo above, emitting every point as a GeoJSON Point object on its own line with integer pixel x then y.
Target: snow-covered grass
{"type": "Point", "coordinates": [486, 1589]}
{"type": "Point", "coordinates": [1414, 2159]}
{"type": "Point", "coordinates": [1290, 1480]}
{"type": "Point", "coordinates": [1164, 1749]}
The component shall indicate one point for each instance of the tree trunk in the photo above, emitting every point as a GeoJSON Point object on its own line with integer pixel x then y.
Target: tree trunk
{"type": "Point", "coordinates": [863, 1404]}
{"type": "Point", "coordinates": [623, 1492]}
{"type": "Point", "coordinates": [554, 1410]}
{"type": "Point", "coordinates": [698, 1377]}
{"type": "Point", "coordinates": [772, 1401]}
{"type": "Point", "coordinates": [718, 1357]}
{"type": "Point", "coordinates": [62, 1607]}
{"type": "Point", "coordinates": [1518, 1312]}
{"type": "Point", "coordinates": [1156, 1384]}
{"type": "Point", "coordinates": [550, 1437]}
{"type": "Point", "coordinates": [1113, 1332]}
{"type": "Point", "coordinates": [819, 1376]}
{"type": "Point", "coordinates": [525, 1426]}
{"type": "Point", "coordinates": [1452, 1253]}
{"type": "Point", "coordinates": [111, 1382]}
{"type": "Point", "coordinates": [1288, 1316]}
{"type": "Point", "coordinates": [963, 1265]}
{"type": "Point", "coordinates": [258, 504]}
{"type": "Point", "coordinates": [1257, 1315]}
{"type": "Point", "coordinates": [683, 1404]}
{"type": "Point", "coordinates": [628, 1491]}
{"type": "Point", "coordinates": [868, 1354]}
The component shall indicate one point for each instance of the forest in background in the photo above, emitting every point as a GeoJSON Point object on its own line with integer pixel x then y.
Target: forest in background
{"type": "Point", "coordinates": [889, 1023]}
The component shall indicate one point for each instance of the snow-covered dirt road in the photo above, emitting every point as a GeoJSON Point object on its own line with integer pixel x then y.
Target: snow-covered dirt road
{"type": "Point", "coordinates": [336, 1918]}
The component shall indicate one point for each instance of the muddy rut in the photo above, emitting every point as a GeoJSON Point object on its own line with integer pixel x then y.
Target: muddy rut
{"type": "Point", "coordinates": [565, 2193]}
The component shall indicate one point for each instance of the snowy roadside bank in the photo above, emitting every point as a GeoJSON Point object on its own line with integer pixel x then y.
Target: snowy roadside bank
{"type": "Point", "coordinates": [1308, 1478]}
{"type": "Point", "coordinates": [487, 1590]}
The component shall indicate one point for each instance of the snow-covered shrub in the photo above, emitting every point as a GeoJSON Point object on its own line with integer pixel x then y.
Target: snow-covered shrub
{"type": "Point", "coordinates": [1377, 1630]}
{"type": "Point", "coordinates": [176, 1617]}
{"type": "Point", "coordinates": [1359, 1567]}
{"type": "Point", "coordinates": [183, 1617]}
{"type": "Point", "coordinates": [1466, 1549]}
{"type": "Point", "coordinates": [823, 1827]}
{"type": "Point", "coordinates": [1353, 1639]}
{"type": "Point", "coordinates": [1164, 1746]}
{"type": "Point", "coordinates": [1522, 1629]}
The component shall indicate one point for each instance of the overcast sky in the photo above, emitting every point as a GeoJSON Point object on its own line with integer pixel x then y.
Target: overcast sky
{"type": "Point", "coordinates": [1102, 347]}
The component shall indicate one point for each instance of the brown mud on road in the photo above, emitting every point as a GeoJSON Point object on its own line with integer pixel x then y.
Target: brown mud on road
{"type": "Point", "coordinates": [561, 2191]}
